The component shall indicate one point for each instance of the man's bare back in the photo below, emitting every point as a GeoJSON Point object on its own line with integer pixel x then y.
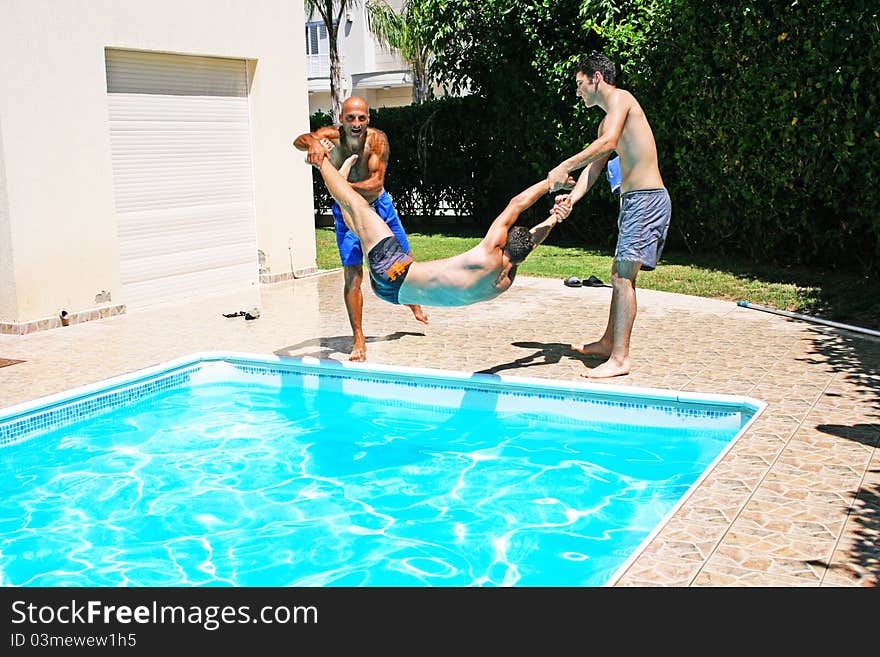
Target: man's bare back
{"type": "Point", "coordinates": [480, 274]}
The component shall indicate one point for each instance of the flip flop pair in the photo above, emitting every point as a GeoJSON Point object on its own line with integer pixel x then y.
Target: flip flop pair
{"type": "Point", "coordinates": [253, 313]}
{"type": "Point", "coordinates": [574, 281]}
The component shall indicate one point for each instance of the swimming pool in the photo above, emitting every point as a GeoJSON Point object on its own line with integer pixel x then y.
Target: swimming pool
{"type": "Point", "coordinates": [227, 469]}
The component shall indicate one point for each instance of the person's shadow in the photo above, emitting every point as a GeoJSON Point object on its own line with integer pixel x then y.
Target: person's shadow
{"type": "Point", "coordinates": [546, 353]}
{"type": "Point", "coordinates": [342, 344]}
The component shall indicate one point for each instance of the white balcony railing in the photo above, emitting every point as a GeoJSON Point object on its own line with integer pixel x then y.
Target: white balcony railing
{"type": "Point", "coordinates": [319, 66]}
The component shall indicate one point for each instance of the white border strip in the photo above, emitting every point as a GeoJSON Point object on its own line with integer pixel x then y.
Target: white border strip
{"type": "Point", "coordinates": [482, 380]}
{"type": "Point", "coordinates": [122, 381]}
{"type": "Point", "coordinates": [498, 381]}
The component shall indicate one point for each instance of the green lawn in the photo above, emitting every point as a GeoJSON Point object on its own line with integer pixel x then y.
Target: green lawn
{"type": "Point", "coordinates": [845, 298]}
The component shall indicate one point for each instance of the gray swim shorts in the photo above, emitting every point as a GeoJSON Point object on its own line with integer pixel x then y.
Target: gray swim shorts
{"type": "Point", "coordinates": [643, 223]}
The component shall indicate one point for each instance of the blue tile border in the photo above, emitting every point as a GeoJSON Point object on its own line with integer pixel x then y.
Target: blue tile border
{"type": "Point", "coordinates": [40, 421]}
{"type": "Point", "coordinates": [677, 411]}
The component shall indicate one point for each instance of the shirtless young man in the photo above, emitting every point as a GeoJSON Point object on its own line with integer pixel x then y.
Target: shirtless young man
{"type": "Point", "coordinates": [645, 208]}
{"type": "Point", "coordinates": [355, 137]}
{"type": "Point", "coordinates": [480, 274]}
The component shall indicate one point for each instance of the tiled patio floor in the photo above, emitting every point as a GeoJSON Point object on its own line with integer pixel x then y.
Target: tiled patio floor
{"type": "Point", "coordinates": [796, 502]}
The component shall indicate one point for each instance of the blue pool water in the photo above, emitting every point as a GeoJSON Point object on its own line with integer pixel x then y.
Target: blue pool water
{"type": "Point", "coordinates": [244, 475]}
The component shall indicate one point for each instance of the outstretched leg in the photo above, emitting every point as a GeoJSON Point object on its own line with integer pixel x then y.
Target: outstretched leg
{"type": "Point", "coordinates": [356, 212]}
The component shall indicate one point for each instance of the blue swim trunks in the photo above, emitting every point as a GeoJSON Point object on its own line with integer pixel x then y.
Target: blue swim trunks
{"type": "Point", "coordinates": [350, 251]}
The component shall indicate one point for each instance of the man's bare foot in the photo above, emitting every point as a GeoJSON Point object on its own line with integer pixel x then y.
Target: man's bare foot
{"type": "Point", "coordinates": [418, 313]}
{"type": "Point", "coordinates": [597, 348]}
{"type": "Point", "coordinates": [608, 369]}
{"type": "Point", "coordinates": [359, 352]}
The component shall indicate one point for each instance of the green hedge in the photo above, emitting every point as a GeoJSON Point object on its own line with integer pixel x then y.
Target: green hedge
{"type": "Point", "coordinates": [449, 154]}
{"type": "Point", "coordinates": [765, 114]}
{"type": "Point", "coordinates": [767, 117]}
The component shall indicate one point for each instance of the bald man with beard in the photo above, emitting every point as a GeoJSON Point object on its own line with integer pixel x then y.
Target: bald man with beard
{"type": "Point", "coordinates": [354, 136]}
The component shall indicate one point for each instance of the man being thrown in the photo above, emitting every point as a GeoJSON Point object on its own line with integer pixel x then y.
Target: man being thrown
{"type": "Point", "coordinates": [479, 274]}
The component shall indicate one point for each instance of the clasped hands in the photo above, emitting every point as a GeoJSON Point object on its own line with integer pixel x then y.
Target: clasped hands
{"type": "Point", "coordinates": [562, 206]}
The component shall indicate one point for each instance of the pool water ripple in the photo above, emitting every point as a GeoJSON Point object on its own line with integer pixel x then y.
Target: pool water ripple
{"type": "Point", "coordinates": [225, 484]}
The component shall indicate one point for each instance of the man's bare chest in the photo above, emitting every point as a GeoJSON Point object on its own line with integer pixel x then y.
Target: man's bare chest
{"type": "Point", "coordinates": [361, 170]}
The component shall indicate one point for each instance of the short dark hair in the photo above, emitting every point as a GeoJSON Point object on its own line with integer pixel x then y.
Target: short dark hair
{"type": "Point", "coordinates": [519, 244]}
{"type": "Point", "coordinates": [596, 61]}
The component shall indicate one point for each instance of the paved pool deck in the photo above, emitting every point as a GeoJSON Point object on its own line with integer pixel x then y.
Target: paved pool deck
{"type": "Point", "coordinates": [795, 502]}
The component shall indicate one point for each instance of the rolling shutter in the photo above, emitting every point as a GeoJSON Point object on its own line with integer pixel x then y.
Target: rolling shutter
{"type": "Point", "coordinates": [182, 175]}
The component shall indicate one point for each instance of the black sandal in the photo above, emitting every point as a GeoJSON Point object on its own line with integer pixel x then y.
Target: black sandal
{"type": "Point", "coordinates": [572, 281]}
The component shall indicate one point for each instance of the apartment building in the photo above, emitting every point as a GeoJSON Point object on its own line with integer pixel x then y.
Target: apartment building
{"type": "Point", "coordinates": [368, 69]}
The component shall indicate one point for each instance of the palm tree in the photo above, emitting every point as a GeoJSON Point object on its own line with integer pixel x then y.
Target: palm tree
{"type": "Point", "coordinates": [331, 12]}
{"type": "Point", "coordinates": [407, 33]}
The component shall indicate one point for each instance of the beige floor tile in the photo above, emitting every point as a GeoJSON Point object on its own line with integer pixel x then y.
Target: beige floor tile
{"type": "Point", "coordinates": [785, 488]}
{"type": "Point", "coordinates": [794, 518]}
{"type": "Point", "coordinates": [754, 542]}
{"type": "Point", "coordinates": [656, 572]}
{"type": "Point", "coordinates": [685, 538]}
{"type": "Point", "coordinates": [720, 574]}
{"type": "Point", "coordinates": [860, 567]}
{"type": "Point", "coordinates": [714, 504]}
{"type": "Point", "coordinates": [804, 572]}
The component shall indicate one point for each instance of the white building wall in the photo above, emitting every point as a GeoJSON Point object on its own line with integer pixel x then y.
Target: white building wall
{"type": "Point", "coordinates": [357, 52]}
{"type": "Point", "coordinates": [7, 270]}
{"type": "Point", "coordinates": [385, 59]}
{"type": "Point", "coordinates": [59, 221]}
